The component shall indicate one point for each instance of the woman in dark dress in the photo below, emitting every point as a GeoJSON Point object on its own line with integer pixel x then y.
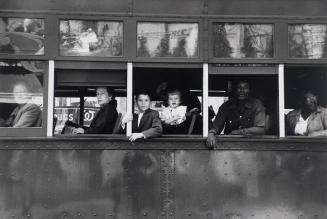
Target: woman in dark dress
{"type": "Point", "coordinates": [105, 119]}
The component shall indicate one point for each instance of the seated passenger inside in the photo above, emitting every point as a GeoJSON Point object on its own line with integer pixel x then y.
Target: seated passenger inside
{"type": "Point", "coordinates": [310, 119]}
{"type": "Point", "coordinates": [26, 113]}
{"type": "Point", "coordinates": [176, 117]}
{"type": "Point", "coordinates": [241, 115]}
{"type": "Point", "coordinates": [105, 119]}
{"type": "Point", "coordinates": [146, 123]}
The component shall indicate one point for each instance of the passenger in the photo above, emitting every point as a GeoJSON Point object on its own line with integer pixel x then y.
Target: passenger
{"type": "Point", "coordinates": [26, 114]}
{"type": "Point", "coordinates": [104, 121]}
{"type": "Point", "coordinates": [146, 124]}
{"type": "Point", "coordinates": [241, 115]}
{"type": "Point", "coordinates": [174, 116]}
{"type": "Point", "coordinates": [309, 120]}
{"type": "Point", "coordinates": [187, 98]}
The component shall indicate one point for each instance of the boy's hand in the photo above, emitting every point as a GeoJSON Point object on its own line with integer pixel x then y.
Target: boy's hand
{"type": "Point", "coordinates": [136, 136]}
{"type": "Point", "coordinates": [127, 118]}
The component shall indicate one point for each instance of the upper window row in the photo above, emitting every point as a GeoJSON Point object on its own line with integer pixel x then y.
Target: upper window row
{"type": "Point", "coordinates": [24, 36]}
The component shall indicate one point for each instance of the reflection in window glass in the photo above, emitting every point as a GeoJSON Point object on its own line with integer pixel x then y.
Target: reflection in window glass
{"type": "Point", "coordinates": [307, 41]}
{"type": "Point", "coordinates": [306, 101]}
{"type": "Point", "coordinates": [167, 39]}
{"type": "Point", "coordinates": [21, 36]}
{"type": "Point", "coordinates": [91, 38]}
{"type": "Point", "coordinates": [21, 94]}
{"type": "Point", "coordinates": [243, 40]}
{"type": "Point", "coordinates": [243, 104]}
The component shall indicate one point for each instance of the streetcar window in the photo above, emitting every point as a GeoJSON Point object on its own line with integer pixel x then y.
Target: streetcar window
{"type": "Point", "coordinates": [91, 38]}
{"type": "Point", "coordinates": [176, 93]}
{"type": "Point", "coordinates": [238, 102]}
{"type": "Point", "coordinates": [89, 101]}
{"type": "Point", "coordinates": [22, 36]}
{"type": "Point", "coordinates": [307, 41]}
{"type": "Point", "coordinates": [306, 101]}
{"type": "Point", "coordinates": [162, 39]}
{"type": "Point", "coordinates": [21, 94]}
{"type": "Point", "coordinates": [232, 40]}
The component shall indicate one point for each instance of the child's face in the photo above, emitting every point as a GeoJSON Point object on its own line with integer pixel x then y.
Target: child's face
{"type": "Point", "coordinates": [143, 102]}
{"type": "Point", "coordinates": [174, 100]}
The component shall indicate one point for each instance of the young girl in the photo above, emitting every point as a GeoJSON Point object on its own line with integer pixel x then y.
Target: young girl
{"type": "Point", "coordinates": [174, 116]}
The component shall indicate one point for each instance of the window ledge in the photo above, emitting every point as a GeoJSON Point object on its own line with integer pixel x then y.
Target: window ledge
{"type": "Point", "coordinates": [120, 142]}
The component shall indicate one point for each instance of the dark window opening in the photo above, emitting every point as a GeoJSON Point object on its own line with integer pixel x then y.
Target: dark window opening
{"type": "Point", "coordinates": [240, 111]}
{"type": "Point", "coordinates": [181, 83]}
{"type": "Point", "coordinates": [78, 102]}
{"type": "Point", "coordinates": [306, 101]}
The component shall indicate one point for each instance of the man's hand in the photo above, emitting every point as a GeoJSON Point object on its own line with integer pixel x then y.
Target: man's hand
{"type": "Point", "coordinates": [136, 136]}
{"type": "Point", "coordinates": [236, 132]}
{"type": "Point", "coordinates": [211, 140]}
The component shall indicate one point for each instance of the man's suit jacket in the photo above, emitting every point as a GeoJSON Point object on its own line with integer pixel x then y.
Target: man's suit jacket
{"type": "Point", "coordinates": [150, 124]}
{"type": "Point", "coordinates": [27, 115]}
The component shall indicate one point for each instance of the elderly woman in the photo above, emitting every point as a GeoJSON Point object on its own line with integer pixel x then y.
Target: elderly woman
{"type": "Point", "coordinates": [105, 119]}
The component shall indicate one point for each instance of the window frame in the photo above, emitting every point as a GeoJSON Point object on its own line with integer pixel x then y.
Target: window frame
{"type": "Point", "coordinates": [31, 57]}
{"type": "Point", "coordinates": [277, 34]}
{"type": "Point", "coordinates": [91, 19]}
{"type": "Point", "coordinates": [299, 60]}
{"type": "Point", "coordinates": [280, 96]}
{"type": "Point", "coordinates": [78, 65]}
{"type": "Point", "coordinates": [33, 131]}
{"type": "Point", "coordinates": [198, 59]}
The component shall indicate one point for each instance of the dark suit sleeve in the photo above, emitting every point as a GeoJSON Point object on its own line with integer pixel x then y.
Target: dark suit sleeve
{"type": "Point", "coordinates": [29, 117]}
{"type": "Point", "coordinates": [107, 116]}
{"type": "Point", "coordinates": [156, 126]}
{"type": "Point", "coordinates": [219, 123]}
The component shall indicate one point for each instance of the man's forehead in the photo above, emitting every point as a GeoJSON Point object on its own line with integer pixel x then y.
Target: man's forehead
{"type": "Point", "coordinates": [243, 83]}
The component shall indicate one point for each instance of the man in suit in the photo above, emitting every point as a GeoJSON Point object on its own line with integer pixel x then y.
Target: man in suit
{"type": "Point", "coordinates": [146, 124]}
{"type": "Point", "coordinates": [26, 114]}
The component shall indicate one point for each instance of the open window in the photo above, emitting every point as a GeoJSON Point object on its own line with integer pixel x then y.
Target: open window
{"type": "Point", "coordinates": [22, 88]}
{"type": "Point", "coordinates": [92, 99]}
{"type": "Point", "coordinates": [305, 100]}
{"type": "Point", "coordinates": [242, 97]}
{"type": "Point", "coordinates": [176, 93]}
